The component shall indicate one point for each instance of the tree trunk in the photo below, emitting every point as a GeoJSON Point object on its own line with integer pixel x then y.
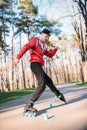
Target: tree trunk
{"type": "Point", "coordinates": [12, 42]}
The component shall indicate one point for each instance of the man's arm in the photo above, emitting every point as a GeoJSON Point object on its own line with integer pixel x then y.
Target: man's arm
{"type": "Point", "coordinates": [51, 53]}
{"type": "Point", "coordinates": [24, 49]}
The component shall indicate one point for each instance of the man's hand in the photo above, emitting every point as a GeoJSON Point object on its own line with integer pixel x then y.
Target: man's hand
{"type": "Point", "coordinates": [59, 47]}
{"type": "Point", "coordinates": [15, 62]}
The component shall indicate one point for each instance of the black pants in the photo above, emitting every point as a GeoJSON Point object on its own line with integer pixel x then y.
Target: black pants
{"type": "Point", "coordinates": [43, 80]}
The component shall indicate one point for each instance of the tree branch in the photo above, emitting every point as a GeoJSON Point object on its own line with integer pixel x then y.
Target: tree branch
{"type": "Point", "coordinates": [69, 16]}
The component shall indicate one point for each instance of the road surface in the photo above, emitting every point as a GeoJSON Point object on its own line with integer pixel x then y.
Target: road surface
{"type": "Point", "coordinates": [72, 116]}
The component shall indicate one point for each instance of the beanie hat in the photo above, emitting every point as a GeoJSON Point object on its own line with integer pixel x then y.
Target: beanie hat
{"type": "Point", "coordinates": [46, 31]}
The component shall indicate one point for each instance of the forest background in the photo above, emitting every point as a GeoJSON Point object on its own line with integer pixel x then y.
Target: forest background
{"type": "Point", "coordinates": [20, 20]}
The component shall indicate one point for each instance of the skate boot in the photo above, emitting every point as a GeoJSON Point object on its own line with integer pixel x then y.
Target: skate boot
{"type": "Point", "coordinates": [61, 97]}
{"type": "Point", "coordinates": [29, 110]}
{"type": "Point", "coordinates": [28, 106]}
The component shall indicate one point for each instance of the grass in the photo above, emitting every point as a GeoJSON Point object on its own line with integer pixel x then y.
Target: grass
{"type": "Point", "coordinates": [11, 95]}
{"type": "Point", "coordinates": [81, 83]}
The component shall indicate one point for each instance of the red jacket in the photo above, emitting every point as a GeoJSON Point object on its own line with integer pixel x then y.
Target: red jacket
{"type": "Point", "coordinates": [37, 50]}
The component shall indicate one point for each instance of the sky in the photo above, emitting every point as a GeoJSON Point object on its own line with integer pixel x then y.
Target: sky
{"type": "Point", "coordinates": [56, 10]}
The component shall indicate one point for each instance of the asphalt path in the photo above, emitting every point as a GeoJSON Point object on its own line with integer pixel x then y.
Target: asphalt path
{"type": "Point", "coordinates": [72, 116]}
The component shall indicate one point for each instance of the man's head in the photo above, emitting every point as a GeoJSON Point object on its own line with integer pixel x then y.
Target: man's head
{"type": "Point", "coordinates": [46, 31]}
{"type": "Point", "coordinates": [45, 35]}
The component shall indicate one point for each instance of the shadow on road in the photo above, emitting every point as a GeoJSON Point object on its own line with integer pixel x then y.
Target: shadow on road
{"type": "Point", "coordinates": [45, 110]}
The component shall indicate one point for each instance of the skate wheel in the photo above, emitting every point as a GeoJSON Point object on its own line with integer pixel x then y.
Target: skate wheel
{"type": "Point", "coordinates": [29, 114]}
{"type": "Point", "coordinates": [25, 114]}
{"type": "Point", "coordinates": [32, 114]}
{"type": "Point", "coordinates": [66, 102]}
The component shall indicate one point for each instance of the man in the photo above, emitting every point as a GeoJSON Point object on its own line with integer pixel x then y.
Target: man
{"type": "Point", "coordinates": [37, 48]}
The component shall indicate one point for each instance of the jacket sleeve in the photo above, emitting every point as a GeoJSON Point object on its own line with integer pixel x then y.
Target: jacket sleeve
{"type": "Point", "coordinates": [31, 43]}
{"type": "Point", "coordinates": [50, 53]}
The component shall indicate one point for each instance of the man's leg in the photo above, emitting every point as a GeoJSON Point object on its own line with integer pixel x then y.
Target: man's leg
{"type": "Point", "coordinates": [52, 87]}
{"type": "Point", "coordinates": [40, 75]}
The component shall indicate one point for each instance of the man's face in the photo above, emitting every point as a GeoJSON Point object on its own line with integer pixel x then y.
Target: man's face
{"type": "Point", "coordinates": [44, 37]}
